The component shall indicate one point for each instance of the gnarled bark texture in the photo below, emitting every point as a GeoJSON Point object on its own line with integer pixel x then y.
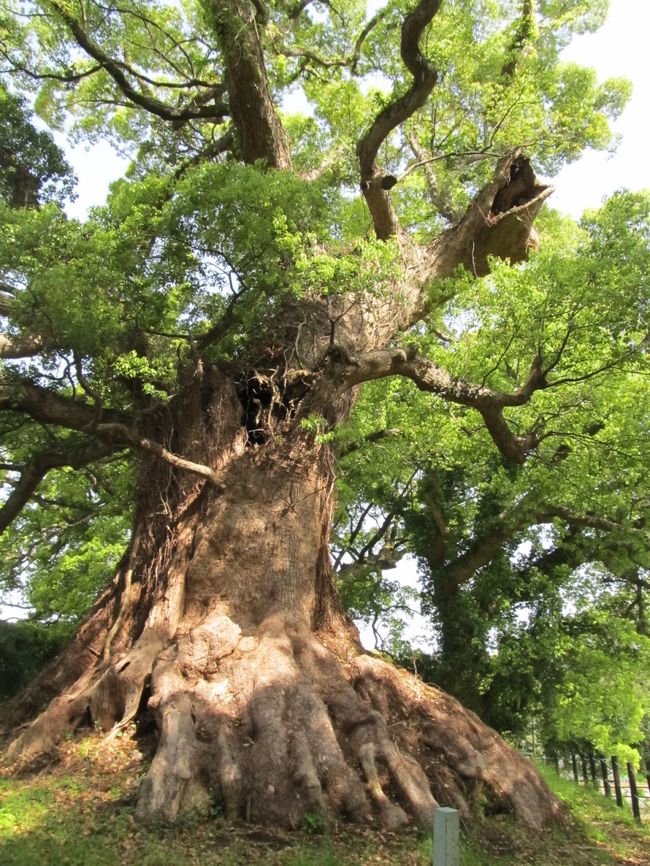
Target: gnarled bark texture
{"type": "Point", "coordinates": [223, 624]}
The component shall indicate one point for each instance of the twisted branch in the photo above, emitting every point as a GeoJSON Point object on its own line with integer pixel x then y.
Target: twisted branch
{"type": "Point", "coordinates": [395, 113]}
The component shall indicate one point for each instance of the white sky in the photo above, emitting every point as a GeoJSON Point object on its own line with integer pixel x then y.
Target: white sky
{"type": "Point", "coordinates": [619, 48]}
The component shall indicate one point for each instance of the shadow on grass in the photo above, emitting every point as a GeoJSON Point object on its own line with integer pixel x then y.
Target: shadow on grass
{"type": "Point", "coordinates": [81, 814]}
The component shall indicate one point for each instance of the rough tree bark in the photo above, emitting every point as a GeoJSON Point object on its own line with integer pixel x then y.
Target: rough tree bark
{"type": "Point", "coordinates": [222, 621]}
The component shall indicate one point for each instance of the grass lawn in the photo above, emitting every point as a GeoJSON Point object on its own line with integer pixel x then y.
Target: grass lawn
{"type": "Point", "coordinates": [79, 812]}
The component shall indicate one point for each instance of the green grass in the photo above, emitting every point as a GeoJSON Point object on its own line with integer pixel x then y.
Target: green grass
{"type": "Point", "coordinates": [80, 813]}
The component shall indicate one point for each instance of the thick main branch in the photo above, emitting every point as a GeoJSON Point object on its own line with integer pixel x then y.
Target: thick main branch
{"type": "Point", "coordinates": [395, 113]}
{"type": "Point", "coordinates": [430, 377]}
{"type": "Point", "coordinates": [259, 129]}
{"type": "Point", "coordinates": [48, 407]}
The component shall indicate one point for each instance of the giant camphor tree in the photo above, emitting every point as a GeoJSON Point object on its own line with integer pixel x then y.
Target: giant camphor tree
{"type": "Point", "coordinates": [211, 327]}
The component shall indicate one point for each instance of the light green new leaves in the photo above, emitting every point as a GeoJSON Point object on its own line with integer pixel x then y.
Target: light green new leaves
{"type": "Point", "coordinates": [260, 240]}
{"type": "Point", "coordinates": [96, 289]}
{"type": "Point", "coordinates": [160, 47]}
{"type": "Point", "coordinates": [602, 693]}
{"type": "Point", "coordinates": [60, 556]}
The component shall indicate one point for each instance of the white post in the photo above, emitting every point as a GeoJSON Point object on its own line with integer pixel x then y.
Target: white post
{"type": "Point", "coordinates": [446, 828]}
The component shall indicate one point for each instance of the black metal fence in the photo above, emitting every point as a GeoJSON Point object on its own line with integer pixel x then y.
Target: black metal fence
{"type": "Point", "coordinates": [610, 776]}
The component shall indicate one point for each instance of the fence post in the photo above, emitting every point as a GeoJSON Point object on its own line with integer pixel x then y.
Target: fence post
{"type": "Point", "coordinates": [574, 764]}
{"type": "Point", "coordinates": [603, 772]}
{"type": "Point", "coordinates": [617, 781]}
{"type": "Point", "coordinates": [592, 768]}
{"type": "Point", "coordinates": [634, 794]}
{"type": "Point", "coordinates": [446, 826]}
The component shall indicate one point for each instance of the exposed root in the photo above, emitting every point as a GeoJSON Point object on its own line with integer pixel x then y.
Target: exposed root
{"type": "Point", "coordinates": [279, 730]}
{"type": "Point", "coordinates": [462, 757]}
{"type": "Point", "coordinates": [106, 696]}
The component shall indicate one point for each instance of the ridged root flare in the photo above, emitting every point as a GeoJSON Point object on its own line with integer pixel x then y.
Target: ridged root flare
{"type": "Point", "coordinates": [278, 726]}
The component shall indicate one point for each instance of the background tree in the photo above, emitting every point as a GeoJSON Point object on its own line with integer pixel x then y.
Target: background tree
{"type": "Point", "coordinates": [498, 546]}
{"type": "Point", "coordinates": [199, 340]}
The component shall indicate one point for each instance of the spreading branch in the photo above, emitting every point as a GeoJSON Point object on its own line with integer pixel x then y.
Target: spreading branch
{"type": "Point", "coordinates": [349, 62]}
{"type": "Point", "coordinates": [434, 379]}
{"type": "Point", "coordinates": [118, 72]}
{"type": "Point", "coordinates": [74, 455]}
{"type": "Point", "coordinates": [526, 512]}
{"type": "Point", "coordinates": [48, 407]}
{"type": "Point", "coordinates": [480, 554]}
{"type": "Point", "coordinates": [593, 521]}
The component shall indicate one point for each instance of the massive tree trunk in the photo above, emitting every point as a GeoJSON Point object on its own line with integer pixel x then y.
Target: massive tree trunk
{"type": "Point", "coordinates": [224, 626]}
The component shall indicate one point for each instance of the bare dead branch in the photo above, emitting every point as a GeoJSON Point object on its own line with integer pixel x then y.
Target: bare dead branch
{"type": "Point", "coordinates": [377, 536]}
{"type": "Point", "coordinates": [122, 433]}
{"type": "Point", "coordinates": [356, 529]}
{"type": "Point", "coordinates": [385, 558]}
